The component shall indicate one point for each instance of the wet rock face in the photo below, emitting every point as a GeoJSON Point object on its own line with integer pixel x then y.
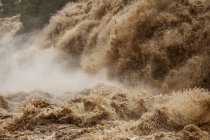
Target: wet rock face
{"type": "Point", "coordinates": [9, 7]}
{"type": "Point", "coordinates": [36, 13]}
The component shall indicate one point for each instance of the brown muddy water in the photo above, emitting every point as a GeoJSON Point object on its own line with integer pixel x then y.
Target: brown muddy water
{"type": "Point", "coordinates": [108, 70]}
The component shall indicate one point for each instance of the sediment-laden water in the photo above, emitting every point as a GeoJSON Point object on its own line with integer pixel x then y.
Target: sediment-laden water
{"type": "Point", "coordinates": [108, 69]}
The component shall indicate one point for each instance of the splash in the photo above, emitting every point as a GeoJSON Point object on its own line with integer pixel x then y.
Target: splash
{"type": "Point", "coordinates": [157, 50]}
{"type": "Point", "coordinates": [25, 64]}
{"type": "Point", "coordinates": [109, 112]}
{"type": "Point", "coordinates": [162, 43]}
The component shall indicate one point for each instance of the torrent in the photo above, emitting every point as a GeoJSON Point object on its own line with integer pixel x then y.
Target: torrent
{"type": "Point", "coordinates": [108, 70]}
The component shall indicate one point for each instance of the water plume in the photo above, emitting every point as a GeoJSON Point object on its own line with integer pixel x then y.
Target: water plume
{"type": "Point", "coordinates": [157, 50]}
{"type": "Point", "coordinates": [157, 42]}
{"type": "Point", "coordinates": [26, 65]}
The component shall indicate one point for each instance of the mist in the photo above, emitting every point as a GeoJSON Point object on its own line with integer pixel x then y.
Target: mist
{"type": "Point", "coordinates": [106, 69]}
{"type": "Point", "coordinates": [26, 65]}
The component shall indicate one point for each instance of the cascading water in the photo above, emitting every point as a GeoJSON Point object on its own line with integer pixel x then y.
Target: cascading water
{"type": "Point", "coordinates": [125, 70]}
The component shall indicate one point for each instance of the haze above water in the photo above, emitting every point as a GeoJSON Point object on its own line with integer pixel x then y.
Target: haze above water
{"type": "Point", "coordinates": [128, 70]}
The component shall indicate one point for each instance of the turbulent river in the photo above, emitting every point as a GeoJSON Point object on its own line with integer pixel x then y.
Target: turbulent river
{"type": "Point", "coordinates": [114, 69]}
